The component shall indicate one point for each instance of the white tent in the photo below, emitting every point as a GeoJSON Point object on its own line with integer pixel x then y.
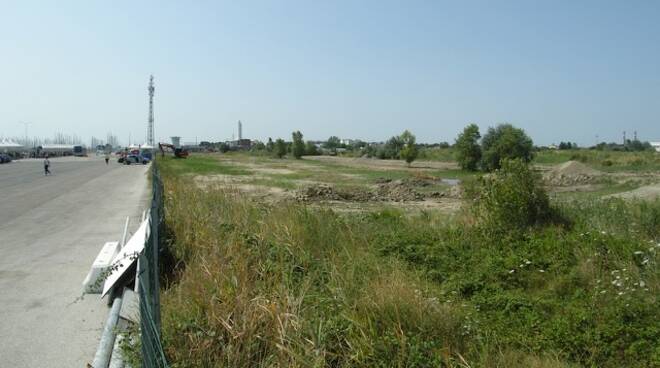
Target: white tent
{"type": "Point", "coordinates": [7, 145]}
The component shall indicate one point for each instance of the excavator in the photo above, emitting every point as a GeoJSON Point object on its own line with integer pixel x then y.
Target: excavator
{"type": "Point", "coordinates": [178, 152]}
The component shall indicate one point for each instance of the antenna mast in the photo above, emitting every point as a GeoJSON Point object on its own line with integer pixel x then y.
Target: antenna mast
{"type": "Point", "coordinates": [150, 125]}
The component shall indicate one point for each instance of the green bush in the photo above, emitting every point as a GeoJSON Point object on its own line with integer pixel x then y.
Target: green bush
{"type": "Point", "coordinates": [511, 198]}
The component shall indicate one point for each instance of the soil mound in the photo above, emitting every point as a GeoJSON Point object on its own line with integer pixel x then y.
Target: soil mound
{"type": "Point", "coordinates": [571, 173]}
{"type": "Point", "coordinates": [399, 191]}
{"type": "Point", "coordinates": [387, 191]}
{"type": "Point", "coordinates": [325, 192]}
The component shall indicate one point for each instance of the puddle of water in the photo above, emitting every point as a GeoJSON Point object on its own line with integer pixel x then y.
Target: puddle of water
{"type": "Point", "coordinates": [450, 182]}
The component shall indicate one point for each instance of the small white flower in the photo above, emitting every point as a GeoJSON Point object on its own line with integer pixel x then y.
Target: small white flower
{"type": "Point", "coordinates": [528, 262]}
{"type": "Point", "coordinates": [603, 292]}
{"type": "Point", "coordinates": [639, 253]}
{"type": "Point", "coordinates": [642, 284]}
{"type": "Point", "coordinates": [541, 270]}
{"type": "Point", "coordinates": [620, 292]}
{"type": "Point", "coordinates": [512, 271]}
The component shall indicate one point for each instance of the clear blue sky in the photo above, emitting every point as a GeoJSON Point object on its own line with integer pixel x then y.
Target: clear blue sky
{"type": "Point", "coordinates": [562, 70]}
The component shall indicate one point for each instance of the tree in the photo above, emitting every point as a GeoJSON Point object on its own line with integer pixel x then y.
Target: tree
{"type": "Point", "coordinates": [258, 146]}
{"type": "Point", "coordinates": [280, 148]}
{"type": "Point", "coordinates": [311, 149]}
{"type": "Point", "coordinates": [391, 149]}
{"type": "Point", "coordinates": [409, 150]}
{"type": "Point", "coordinates": [270, 145]}
{"type": "Point", "coordinates": [505, 142]}
{"type": "Point", "coordinates": [298, 148]}
{"type": "Point", "coordinates": [333, 143]}
{"type": "Point", "coordinates": [468, 152]}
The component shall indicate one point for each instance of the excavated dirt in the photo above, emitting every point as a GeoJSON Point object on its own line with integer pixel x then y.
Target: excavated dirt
{"type": "Point", "coordinates": [385, 190]}
{"type": "Point", "coordinates": [571, 173]}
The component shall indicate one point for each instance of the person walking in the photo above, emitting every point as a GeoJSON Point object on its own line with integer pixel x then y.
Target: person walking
{"type": "Point", "coordinates": [107, 158]}
{"type": "Point", "coordinates": [46, 166]}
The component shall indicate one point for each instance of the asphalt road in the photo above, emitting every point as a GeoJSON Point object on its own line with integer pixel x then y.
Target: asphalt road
{"type": "Point", "coordinates": [51, 229]}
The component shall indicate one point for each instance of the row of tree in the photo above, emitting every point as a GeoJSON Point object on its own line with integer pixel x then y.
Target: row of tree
{"type": "Point", "coordinates": [398, 147]}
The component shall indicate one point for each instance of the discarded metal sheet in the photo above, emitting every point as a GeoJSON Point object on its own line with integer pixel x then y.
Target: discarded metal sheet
{"type": "Point", "coordinates": [126, 256]}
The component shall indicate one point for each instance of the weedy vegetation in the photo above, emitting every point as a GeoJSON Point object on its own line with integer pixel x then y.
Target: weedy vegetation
{"type": "Point", "coordinates": [512, 280]}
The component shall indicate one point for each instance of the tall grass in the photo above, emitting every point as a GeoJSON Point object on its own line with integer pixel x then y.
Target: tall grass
{"type": "Point", "coordinates": [287, 286]}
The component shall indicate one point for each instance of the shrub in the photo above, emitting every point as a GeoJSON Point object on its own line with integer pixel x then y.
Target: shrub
{"type": "Point", "coordinates": [511, 198]}
{"type": "Point", "coordinates": [505, 142]}
{"type": "Point", "coordinates": [468, 152]}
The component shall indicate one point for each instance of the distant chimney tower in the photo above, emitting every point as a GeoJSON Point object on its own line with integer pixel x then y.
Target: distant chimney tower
{"type": "Point", "coordinates": [624, 137]}
{"type": "Point", "coordinates": [240, 130]}
{"type": "Point", "coordinates": [635, 135]}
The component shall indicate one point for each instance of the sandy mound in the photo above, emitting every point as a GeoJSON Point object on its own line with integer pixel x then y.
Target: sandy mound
{"type": "Point", "coordinates": [571, 173]}
{"type": "Point", "coordinates": [649, 192]}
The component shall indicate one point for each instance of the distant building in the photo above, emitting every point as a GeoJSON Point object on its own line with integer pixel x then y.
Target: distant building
{"type": "Point", "coordinates": [348, 142]}
{"type": "Point", "coordinates": [656, 145]}
{"type": "Point", "coordinates": [553, 147]}
{"type": "Point", "coordinates": [239, 144]}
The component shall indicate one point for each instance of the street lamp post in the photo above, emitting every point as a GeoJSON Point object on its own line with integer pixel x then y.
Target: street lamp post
{"type": "Point", "coordinates": [26, 123]}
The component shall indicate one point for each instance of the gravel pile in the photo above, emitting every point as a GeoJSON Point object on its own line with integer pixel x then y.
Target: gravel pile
{"type": "Point", "coordinates": [571, 173]}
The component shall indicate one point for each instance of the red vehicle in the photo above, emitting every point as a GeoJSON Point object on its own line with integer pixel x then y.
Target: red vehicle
{"type": "Point", "coordinates": [178, 152]}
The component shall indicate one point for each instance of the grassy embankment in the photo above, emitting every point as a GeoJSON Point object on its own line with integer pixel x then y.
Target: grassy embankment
{"type": "Point", "coordinates": [260, 285]}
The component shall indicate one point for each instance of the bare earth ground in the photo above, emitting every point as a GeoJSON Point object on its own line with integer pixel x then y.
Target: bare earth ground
{"type": "Point", "coordinates": [356, 184]}
{"type": "Point", "coordinates": [650, 192]}
{"type": "Point", "coordinates": [361, 184]}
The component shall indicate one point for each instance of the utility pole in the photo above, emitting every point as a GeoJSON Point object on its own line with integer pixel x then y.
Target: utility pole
{"type": "Point", "coordinates": [150, 125]}
{"type": "Point", "coordinates": [26, 123]}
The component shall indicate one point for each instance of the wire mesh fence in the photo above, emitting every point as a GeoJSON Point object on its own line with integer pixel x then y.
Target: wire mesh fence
{"type": "Point", "coordinates": [149, 288]}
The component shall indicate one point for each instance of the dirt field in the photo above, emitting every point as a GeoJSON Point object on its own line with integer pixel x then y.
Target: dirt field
{"type": "Point", "coordinates": [344, 184]}
{"type": "Point", "coordinates": [361, 184]}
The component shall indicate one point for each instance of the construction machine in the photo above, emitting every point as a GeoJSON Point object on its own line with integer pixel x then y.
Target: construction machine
{"type": "Point", "coordinates": [177, 151]}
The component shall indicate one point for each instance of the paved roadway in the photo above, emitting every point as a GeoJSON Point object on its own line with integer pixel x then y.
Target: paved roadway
{"type": "Point", "coordinates": [51, 229]}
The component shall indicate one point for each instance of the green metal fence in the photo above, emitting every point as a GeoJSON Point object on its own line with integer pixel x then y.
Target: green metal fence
{"type": "Point", "coordinates": [149, 288]}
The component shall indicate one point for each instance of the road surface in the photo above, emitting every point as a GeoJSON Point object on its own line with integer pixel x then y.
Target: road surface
{"type": "Point", "coordinates": [51, 229]}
